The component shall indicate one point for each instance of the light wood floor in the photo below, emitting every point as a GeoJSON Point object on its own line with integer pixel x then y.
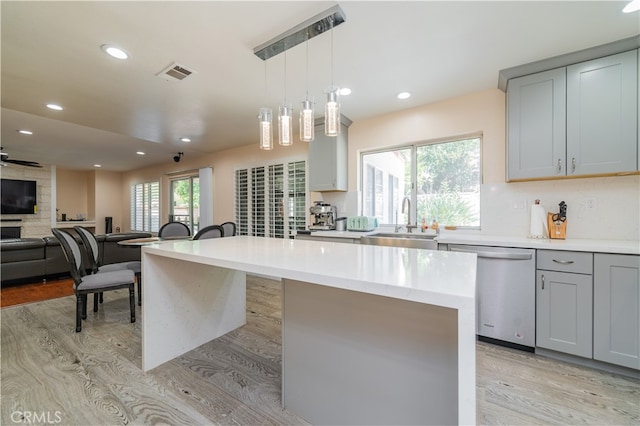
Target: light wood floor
{"type": "Point", "coordinates": [94, 378]}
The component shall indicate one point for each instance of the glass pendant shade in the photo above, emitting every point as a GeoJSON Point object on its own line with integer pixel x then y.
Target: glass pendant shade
{"type": "Point", "coordinates": [266, 130]}
{"type": "Point", "coordinates": [306, 121]}
{"type": "Point", "coordinates": [285, 126]}
{"type": "Point", "coordinates": [332, 113]}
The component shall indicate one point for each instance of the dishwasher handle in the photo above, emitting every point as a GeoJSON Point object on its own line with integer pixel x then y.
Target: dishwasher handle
{"type": "Point", "coordinates": [494, 255]}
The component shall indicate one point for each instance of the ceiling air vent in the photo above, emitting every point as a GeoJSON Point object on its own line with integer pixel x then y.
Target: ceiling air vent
{"type": "Point", "coordinates": [175, 72]}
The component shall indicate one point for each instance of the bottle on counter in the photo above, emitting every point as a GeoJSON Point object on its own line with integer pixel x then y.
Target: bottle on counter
{"type": "Point", "coordinates": [435, 226]}
{"type": "Point", "coordinates": [424, 224]}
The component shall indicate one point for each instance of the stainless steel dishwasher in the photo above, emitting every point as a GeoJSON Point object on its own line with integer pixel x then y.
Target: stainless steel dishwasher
{"type": "Point", "coordinates": [505, 295]}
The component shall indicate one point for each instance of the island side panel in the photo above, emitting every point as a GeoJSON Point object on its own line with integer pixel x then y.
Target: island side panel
{"type": "Point", "coordinates": [186, 304]}
{"type": "Point", "coordinates": [356, 358]}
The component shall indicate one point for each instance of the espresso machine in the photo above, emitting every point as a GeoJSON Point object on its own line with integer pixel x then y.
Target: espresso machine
{"type": "Point", "coordinates": [324, 216]}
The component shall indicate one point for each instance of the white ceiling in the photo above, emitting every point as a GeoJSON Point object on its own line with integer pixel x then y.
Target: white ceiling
{"type": "Point", "coordinates": [436, 50]}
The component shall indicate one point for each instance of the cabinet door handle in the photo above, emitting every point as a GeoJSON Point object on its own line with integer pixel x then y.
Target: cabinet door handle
{"type": "Point", "coordinates": [563, 262]}
{"type": "Point", "coordinates": [542, 282]}
{"type": "Point", "coordinates": [559, 165]}
{"type": "Point", "coordinates": [573, 165]}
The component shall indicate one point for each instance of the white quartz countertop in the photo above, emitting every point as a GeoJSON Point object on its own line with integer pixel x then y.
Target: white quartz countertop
{"type": "Point", "coordinates": [435, 277]}
{"type": "Point", "coordinates": [573, 244]}
{"type": "Point", "coordinates": [471, 238]}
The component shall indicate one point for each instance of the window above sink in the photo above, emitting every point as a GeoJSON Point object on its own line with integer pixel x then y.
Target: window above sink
{"type": "Point", "coordinates": [441, 178]}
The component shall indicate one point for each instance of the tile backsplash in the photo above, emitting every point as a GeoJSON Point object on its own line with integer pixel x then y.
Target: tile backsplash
{"type": "Point", "coordinates": [598, 208]}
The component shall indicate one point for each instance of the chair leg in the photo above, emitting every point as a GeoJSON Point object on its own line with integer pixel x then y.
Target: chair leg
{"type": "Point", "coordinates": [84, 306]}
{"type": "Point", "coordinates": [132, 303]}
{"type": "Point", "coordinates": [139, 280]}
{"type": "Point", "coordinates": [96, 296]}
{"type": "Point", "coordinates": [79, 313]}
{"type": "Point", "coordinates": [101, 297]}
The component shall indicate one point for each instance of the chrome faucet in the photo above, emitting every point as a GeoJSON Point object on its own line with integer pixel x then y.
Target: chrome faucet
{"type": "Point", "coordinates": [406, 207]}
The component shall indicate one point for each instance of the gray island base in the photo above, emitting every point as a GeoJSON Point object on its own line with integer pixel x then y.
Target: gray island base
{"type": "Point", "coordinates": [359, 346]}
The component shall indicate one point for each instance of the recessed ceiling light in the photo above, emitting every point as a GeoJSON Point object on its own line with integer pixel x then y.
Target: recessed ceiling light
{"type": "Point", "coordinates": [185, 139]}
{"type": "Point", "coordinates": [25, 132]}
{"type": "Point", "coordinates": [97, 165]}
{"type": "Point", "coordinates": [140, 153]}
{"type": "Point", "coordinates": [404, 95]}
{"type": "Point", "coordinates": [345, 91]}
{"type": "Point", "coordinates": [116, 52]}
{"type": "Point", "coordinates": [633, 6]}
{"type": "Point", "coordinates": [55, 107]}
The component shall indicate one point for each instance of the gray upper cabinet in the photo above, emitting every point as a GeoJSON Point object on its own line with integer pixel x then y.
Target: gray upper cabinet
{"type": "Point", "coordinates": [616, 309]}
{"type": "Point", "coordinates": [328, 159]}
{"type": "Point", "coordinates": [602, 115]}
{"type": "Point", "coordinates": [536, 131]}
{"type": "Point", "coordinates": [574, 121]}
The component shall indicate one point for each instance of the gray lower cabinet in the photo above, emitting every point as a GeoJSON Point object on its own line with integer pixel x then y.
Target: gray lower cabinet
{"type": "Point", "coordinates": [616, 309]}
{"type": "Point", "coordinates": [564, 313]}
{"type": "Point", "coordinates": [564, 302]}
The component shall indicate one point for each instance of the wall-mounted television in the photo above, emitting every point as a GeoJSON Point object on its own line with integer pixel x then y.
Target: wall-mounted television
{"type": "Point", "coordinates": [18, 196]}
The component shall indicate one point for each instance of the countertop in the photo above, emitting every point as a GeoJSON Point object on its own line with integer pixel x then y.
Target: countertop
{"type": "Point", "coordinates": [436, 277]}
{"type": "Point", "coordinates": [473, 238]}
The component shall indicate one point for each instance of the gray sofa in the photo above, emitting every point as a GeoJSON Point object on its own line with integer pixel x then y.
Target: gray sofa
{"type": "Point", "coordinates": [24, 260]}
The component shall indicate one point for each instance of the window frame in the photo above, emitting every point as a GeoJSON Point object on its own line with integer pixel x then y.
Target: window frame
{"type": "Point", "coordinates": [413, 196]}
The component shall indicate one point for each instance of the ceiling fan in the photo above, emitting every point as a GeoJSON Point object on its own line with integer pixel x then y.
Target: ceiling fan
{"type": "Point", "coordinates": [4, 159]}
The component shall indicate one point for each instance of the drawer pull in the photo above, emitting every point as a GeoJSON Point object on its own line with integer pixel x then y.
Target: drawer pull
{"type": "Point", "coordinates": [542, 282]}
{"type": "Point", "coordinates": [563, 262]}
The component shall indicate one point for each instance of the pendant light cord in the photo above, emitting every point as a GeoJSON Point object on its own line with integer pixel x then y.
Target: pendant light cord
{"type": "Point", "coordinates": [285, 79]}
{"type": "Point", "coordinates": [331, 20]}
{"type": "Point", "coordinates": [265, 83]}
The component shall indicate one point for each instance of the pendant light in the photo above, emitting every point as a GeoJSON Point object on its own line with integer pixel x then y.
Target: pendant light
{"type": "Point", "coordinates": [332, 107]}
{"type": "Point", "coordinates": [265, 119]}
{"type": "Point", "coordinates": [306, 112]}
{"type": "Point", "coordinates": [285, 137]}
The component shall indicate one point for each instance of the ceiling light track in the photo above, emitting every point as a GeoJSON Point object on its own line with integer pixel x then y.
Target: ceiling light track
{"type": "Point", "coordinates": [310, 28]}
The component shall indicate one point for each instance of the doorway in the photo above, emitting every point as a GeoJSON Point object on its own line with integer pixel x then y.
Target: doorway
{"type": "Point", "coordinates": [185, 202]}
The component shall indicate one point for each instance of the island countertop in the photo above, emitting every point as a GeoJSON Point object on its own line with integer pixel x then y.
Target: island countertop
{"type": "Point", "coordinates": [436, 277]}
{"type": "Point", "coordinates": [341, 302]}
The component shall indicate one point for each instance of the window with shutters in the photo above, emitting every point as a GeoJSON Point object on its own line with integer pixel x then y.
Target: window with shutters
{"type": "Point", "coordinates": [270, 201]}
{"type": "Point", "coordinates": [145, 207]}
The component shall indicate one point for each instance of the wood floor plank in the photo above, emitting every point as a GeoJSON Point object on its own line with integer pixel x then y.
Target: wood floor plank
{"type": "Point", "coordinates": [94, 377]}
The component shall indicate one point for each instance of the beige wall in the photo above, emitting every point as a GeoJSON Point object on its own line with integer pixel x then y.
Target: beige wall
{"type": "Point", "coordinates": [72, 193]}
{"type": "Point", "coordinates": [482, 112]}
{"type": "Point", "coordinates": [224, 164]}
{"type": "Point", "coordinates": [96, 194]}
{"type": "Point", "coordinates": [108, 201]}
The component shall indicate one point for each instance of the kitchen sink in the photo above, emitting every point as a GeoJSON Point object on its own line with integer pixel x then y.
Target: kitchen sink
{"type": "Point", "coordinates": [392, 239]}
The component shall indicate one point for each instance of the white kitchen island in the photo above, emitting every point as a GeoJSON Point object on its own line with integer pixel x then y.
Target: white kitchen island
{"type": "Point", "coordinates": [371, 335]}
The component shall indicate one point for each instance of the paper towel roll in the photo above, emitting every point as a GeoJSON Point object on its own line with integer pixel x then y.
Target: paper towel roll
{"type": "Point", "coordinates": [538, 226]}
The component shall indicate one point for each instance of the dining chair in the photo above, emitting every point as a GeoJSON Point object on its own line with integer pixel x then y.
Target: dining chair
{"type": "Point", "coordinates": [93, 254]}
{"type": "Point", "coordinates": [174, 229]}
{"type": "Point", "coordinates": [96, 283]}
{"type": "Point", "coordinates": [229, 229]}
{"type": "Point", "coordinates": [211, 231]}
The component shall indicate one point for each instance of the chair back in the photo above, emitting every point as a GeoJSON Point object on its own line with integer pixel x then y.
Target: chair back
{"type": "Point", "coordinates": [91, 245]}
{"type": "Point", "coordinates": [211, 231]}
{"type": "Point", "coordinates": [72, 252]}
{"type": "Point", "coordinates": [174, 229]}
{"type": "Point", "coordinates": [229, 229]}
